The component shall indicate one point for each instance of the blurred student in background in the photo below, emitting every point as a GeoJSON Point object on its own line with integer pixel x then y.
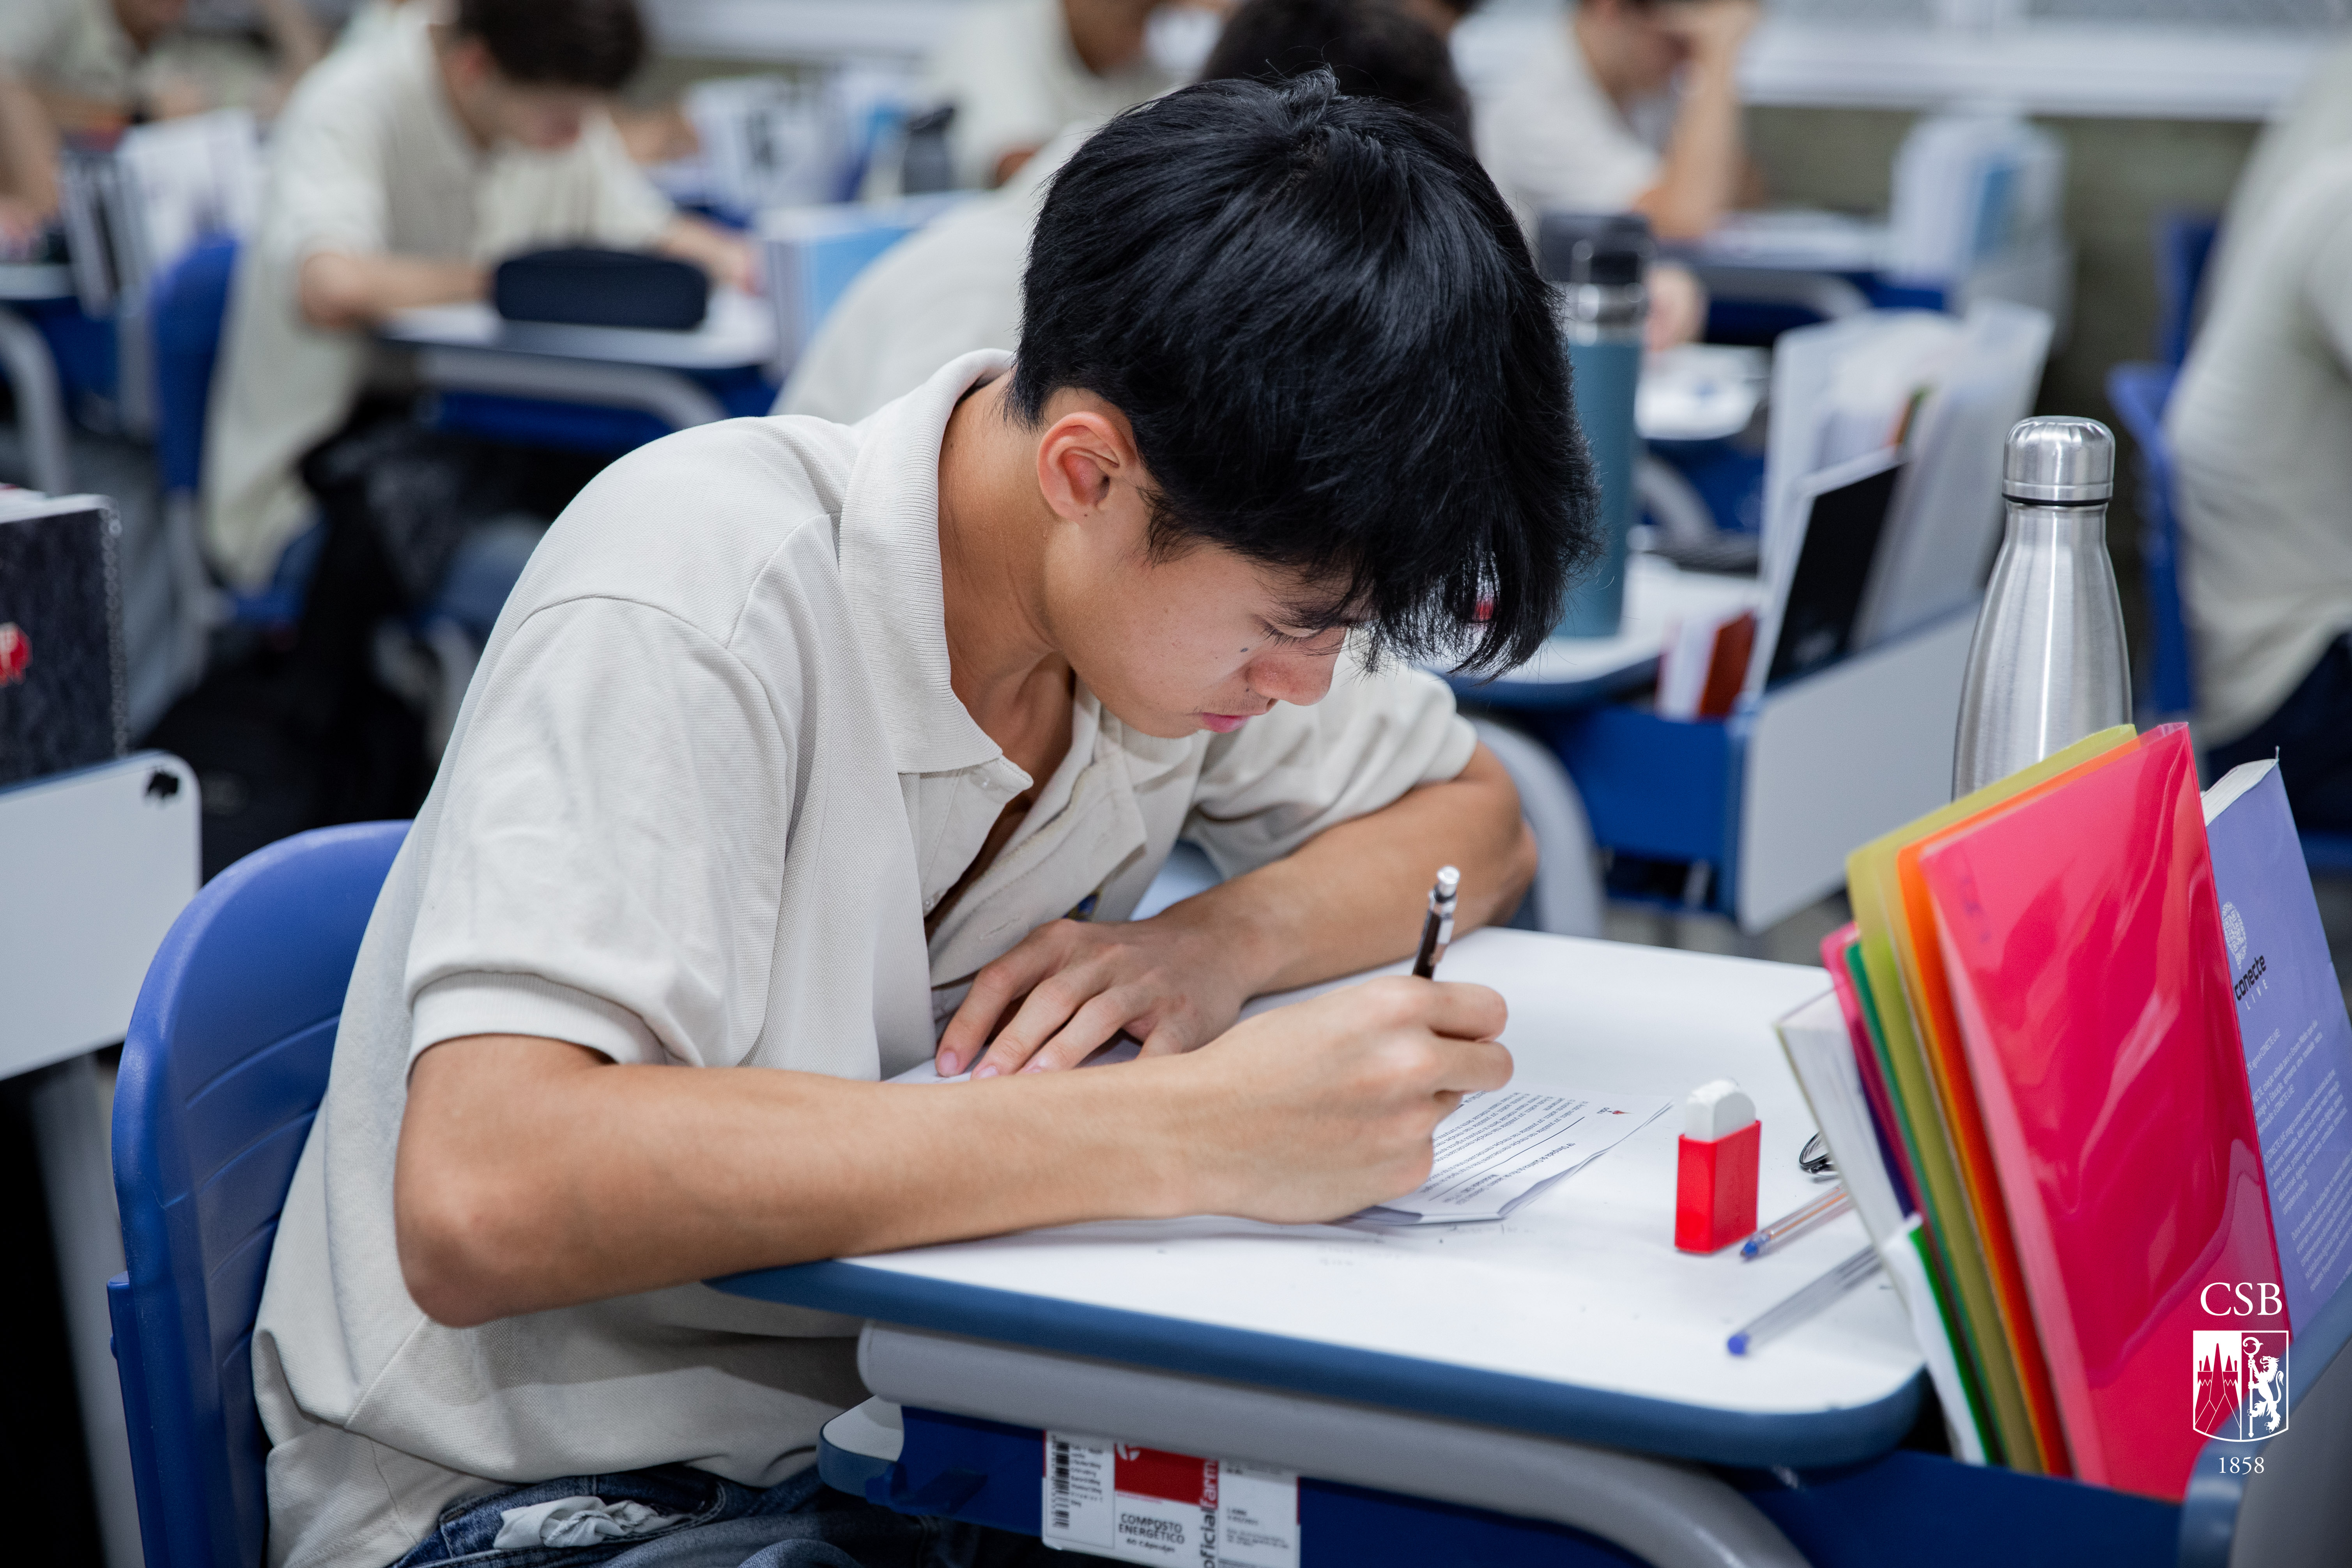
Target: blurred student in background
{"type": "Point", "coordinates": [1630, 105]}
{"type": "Point", "coordinates": [2260, 423]}
{"type": "Point", "coordinates": [401, 172]}
{"type": "Point", "coordinates": [2316, 121]}
{"type": "Point", "coordinates": [92, 67]}
{"type": "Point", "coordinates": [1017, 72]}
{"type": "Point", "coordinates": [956, 286]}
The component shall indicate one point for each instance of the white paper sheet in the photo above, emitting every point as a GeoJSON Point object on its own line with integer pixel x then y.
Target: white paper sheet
{"type": "Point", "coordinates": [1500, 1149]}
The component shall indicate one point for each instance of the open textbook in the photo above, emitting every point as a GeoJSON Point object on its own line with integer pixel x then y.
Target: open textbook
{"type": "Point", "coordinates": [1496, 1150]}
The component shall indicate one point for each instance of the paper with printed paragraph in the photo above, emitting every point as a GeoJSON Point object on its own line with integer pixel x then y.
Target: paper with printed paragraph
{"type": "Point", "coordinates": [1500, 1148]}
{"type": "Point", "coordinates": [1147, 1505]}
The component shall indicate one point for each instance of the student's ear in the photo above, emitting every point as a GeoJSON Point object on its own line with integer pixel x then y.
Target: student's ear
{"type": "Point", "coordinates": [1085, 457]}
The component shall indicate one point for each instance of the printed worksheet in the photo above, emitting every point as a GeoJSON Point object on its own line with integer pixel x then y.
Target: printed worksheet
{"type": "Point", "coordinates": [1501, 1148]}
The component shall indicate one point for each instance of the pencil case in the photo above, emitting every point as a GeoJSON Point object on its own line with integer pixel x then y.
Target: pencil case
{"type": "Point", "coordinates": [581, 286]}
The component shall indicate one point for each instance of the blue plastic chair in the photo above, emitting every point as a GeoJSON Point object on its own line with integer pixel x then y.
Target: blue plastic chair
{"type": "Point", "coordinates": [2139, 392]}
{"type": "Point", "coordinates": [187, 307]}
{"type": "Point", "coordinates": [2184, 244]}
{"type": "Point", "coordinates": [223, 1070]}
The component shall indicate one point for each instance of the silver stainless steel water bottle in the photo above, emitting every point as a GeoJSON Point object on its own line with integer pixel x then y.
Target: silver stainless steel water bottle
{"type": "Point", "coordinates": [2048, 664]}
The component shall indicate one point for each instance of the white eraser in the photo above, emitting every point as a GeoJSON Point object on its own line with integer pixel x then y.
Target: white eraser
{"type": "Point", "coordinates": [1715, 1110]}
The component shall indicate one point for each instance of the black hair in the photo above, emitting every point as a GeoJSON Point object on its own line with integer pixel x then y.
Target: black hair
{"type": "Point", "coordinates": [1375, 47]}
{"type": "Point", "coordinates": [1322, 323]}
{"type": "Point", "coordinates": [597, 44]}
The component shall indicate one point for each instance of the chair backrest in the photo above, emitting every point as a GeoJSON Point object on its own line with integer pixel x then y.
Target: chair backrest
{"type": "Point", "coordinates": [2184, 244]}
{"type": "Point", "coordinates": [223, 1070]}
{"type": "Point", "coordinates": [2138, 393]}
{"type": "Point", "coordinates": [186, 311]}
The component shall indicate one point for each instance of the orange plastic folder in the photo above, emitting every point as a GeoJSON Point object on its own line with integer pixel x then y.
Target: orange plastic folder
{"type": "Point", "coordinates": [1939, 1040]}
{"type": "Point", "coordinates": [2081, 941]}
{"type": "Point", "coordinates": [2016, 1439]}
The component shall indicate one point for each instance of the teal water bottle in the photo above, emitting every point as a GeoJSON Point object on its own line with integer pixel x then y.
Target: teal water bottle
{"type": "Point", "coordinates": [1599, 267]}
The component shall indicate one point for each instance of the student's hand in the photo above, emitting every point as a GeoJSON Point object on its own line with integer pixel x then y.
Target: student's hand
{"type": "Point", "coordinates": [1677, 306]}
{"type": "Point", "coordinates": [1715, 29]}
{"type": "Point", "coordinates": [1070, 986]}
{"type": "Point", "coordinates": [1318, 1109]}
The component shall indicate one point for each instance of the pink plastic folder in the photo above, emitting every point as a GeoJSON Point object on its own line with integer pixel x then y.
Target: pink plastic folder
{"type": "Point", "coordinates": [2083, 945]}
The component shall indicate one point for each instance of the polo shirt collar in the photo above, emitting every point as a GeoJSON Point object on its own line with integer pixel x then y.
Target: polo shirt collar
{"type": "Point", "coordinates": [890, 572]}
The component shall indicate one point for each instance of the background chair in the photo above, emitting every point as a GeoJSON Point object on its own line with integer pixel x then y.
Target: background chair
{"type": "Point", "coordinates": [2139, 394]}
{"type": "Point", "coordinates": [222, 1070]}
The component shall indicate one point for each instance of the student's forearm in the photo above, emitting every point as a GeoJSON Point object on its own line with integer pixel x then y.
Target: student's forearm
{"type": "Point", "coordinates": [28, 147]}
{"type": "Point", "coordinates": [726, 257]}
{"type": "Point", "coordinates": [1354, 897]}
{"type": "Point", "coordinates": [1705, 158]}
{"type": "Point", "coordinates": [698, 1172]}
{"type": "Point", "coordinates": [338, 290]}
{"type": "Point", "coordinates": [532, 1174]}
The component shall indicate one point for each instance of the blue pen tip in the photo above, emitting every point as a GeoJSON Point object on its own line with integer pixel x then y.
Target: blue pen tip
{"type": "Point", "coordinates": [1737, 1344]}
{"type": "Point", "coordinates": [1750, 1248]}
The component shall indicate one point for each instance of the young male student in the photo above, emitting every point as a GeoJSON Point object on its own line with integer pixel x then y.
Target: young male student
{"type": "Point", "coordinates": [2260, 422]}
{"type": "Point", "coordinates": [401, 171]}
{"type": "Point", "coordinates": [798, 742]}
{"type": "Point", "coordinates": [1631, 105]}
{"type": "Point", "coordinates": [956, 286]}
{"type": "Point", "coordinates": [1018, 71]}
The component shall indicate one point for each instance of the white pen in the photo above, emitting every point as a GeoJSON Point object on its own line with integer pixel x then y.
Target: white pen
{"type": "Point", "coordinates": [1437, 928]}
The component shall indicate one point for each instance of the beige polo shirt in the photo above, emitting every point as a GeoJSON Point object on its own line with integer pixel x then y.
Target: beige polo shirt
{"type": "Point", "coordinates": [709, 778]}
{"type": "Point", "coordinates": [1015, 80]}
{"type": "Point", "coordinates": [950, 288]}
{"type": "Point", "coordinates": [369, 158]}
{"type": "Point", "coordinates": [2260, 423]}
{"type": "Point", "coordinates": [1553, 140]}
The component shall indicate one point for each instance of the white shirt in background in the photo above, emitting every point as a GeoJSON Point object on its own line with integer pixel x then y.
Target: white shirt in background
{"type": "Point", "coordinates": [2262, 432]}
{"type": "Point", "coordinates": [1009, 68]}
{"type": "Point", "coordinates": [1553, 141]}
{"type": "Point", "coordinates": [946, 290]}
{"type": "Point", "coordinates": [72, 46]}
{"type": "Point", "coordinates": [368, 158]}
{"type": "Point", "coordinates": [2316, 121]}
{"type": "Point", "coordinates": [709, 780]}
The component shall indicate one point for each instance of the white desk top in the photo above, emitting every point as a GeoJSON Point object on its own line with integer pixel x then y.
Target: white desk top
{"type": "Point", "coordinates": [739, 331]}
{"type": "Point", "coordinates": [1581, 1287]}
{"type": "Point", "coordinates": [1582, 669]}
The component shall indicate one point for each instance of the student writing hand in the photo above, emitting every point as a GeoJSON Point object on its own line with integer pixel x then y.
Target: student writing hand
{"type": "Point", "coordinates": [1318, 1109]}
{"type": "Point", "coordinates": [1070, 986]}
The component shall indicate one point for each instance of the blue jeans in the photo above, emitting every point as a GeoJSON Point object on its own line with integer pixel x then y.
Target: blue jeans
{"type": "Point", "coordinates": [797, 1524]}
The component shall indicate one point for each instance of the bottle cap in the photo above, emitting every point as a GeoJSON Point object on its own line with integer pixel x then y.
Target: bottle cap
{"type": "Point", "coordinates": [1610, 250]}
{"type": "Point", "coordinates": [2063, 460]}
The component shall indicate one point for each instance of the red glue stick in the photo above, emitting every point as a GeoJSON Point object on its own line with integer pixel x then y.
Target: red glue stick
{"type": "Point", "coordinates": [1721, 1151]}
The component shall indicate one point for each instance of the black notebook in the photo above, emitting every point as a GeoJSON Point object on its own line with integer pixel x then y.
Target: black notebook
{"type": "Point", "coordinates": [61, 668]}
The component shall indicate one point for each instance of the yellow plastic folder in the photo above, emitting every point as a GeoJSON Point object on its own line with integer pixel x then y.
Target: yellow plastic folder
{"type": "Point", "coordinates": [2006, 1352]}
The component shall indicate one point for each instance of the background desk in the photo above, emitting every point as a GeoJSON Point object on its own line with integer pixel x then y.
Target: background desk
{"type": "Point", "coordinates": [471, 349]}
{"type": "Point", "coordinates": [1568, 672]}
{"type": "Point", "coordinates": [94, 867]}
